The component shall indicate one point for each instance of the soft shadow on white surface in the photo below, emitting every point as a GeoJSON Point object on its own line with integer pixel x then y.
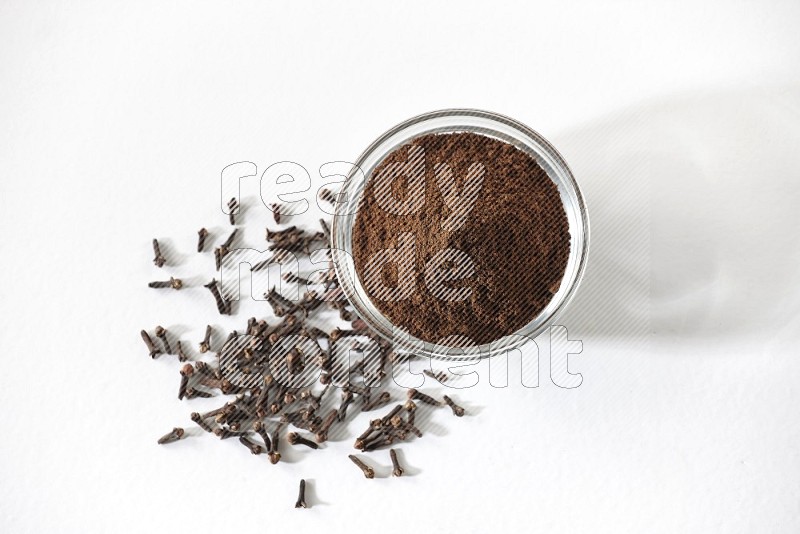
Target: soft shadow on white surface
{"type": "Point", "coordinates": [693, 209]}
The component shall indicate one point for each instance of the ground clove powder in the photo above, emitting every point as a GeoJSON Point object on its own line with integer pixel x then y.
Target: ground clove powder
{"type": "Point", "coordinates": [487, 203]}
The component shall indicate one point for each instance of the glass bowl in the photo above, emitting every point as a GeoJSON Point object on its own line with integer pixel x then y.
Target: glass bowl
{"type": "Point", "coordinates": [453, 121]}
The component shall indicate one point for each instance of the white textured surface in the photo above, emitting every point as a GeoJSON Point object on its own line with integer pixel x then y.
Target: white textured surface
{"type": "Point", "coordinates": [680, 121]}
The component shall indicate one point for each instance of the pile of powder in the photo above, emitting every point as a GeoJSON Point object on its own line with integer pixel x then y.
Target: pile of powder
{"type": "Point", "coordinates": [515, 233]}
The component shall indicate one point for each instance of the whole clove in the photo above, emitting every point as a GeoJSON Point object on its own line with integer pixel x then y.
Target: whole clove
{"type": "Point", "coordinates": [192, 393]}
{"type": "Point", "coordinates": [176, 434]}
{"type": "Point", "coordinates": [458, 411]}
{"type": "Point", "coordinates": [280, 304]}
{"type": "Point", "coordinates": [218, 253]}
{"type": "Point", "coordinates": [409, 427]}
{"type": "Point", "coordinates": [322, 434]}
{"type": "Point", "coordinates": [205, 370]}
{"type": "Point", "coordinates": [233, 206]}
{"type": "Point", "coordinates": [347, 399]}
{"type": "Point", "coordinates": [411, 408]}
{"type": "Point", "coordinates": [338, 333]}
{"type": "Point", "coordinates": [151, 347]}
{"type": "Point", "coordinates": [201, 239]}
{"type": "Point", "coordinates": [396, 469]}
{"type": "Point", "coordinates": [184, 385]}
{"type": "Point", "coordinates": [205, 345]}
{"type": "Point", "coordinates": [215, 411]}
{"type": "Point", "coordinates": [202, 423]}
{"type": "Point", "coordinates": [260, 402]}
{"type": "Point", "coordinates": [223, 306]}
{"type": "Point", "coordinates": [381, 440]}
{"type": "Point", "coordinates": [381, 400]}
{"type": "Point", "coordinates": [327, 196]}
{"type": "Point", "coordinates": [326, 232]}
{"type": "Point", "coordinates": [367, 470]}
{"type": "Point", "coordinates": [388, 417]}
{"type": "Point", "coordinates": [440, 376]}
{"type": "Point", "coordinates": [182, 356]}
{"type": "Point", "coordinates": [161, 333]}
{"type": "Point", "coordinates": [174, 283]}
{"type": "Point", "coordinates": [362, 439]}
{"type": "Point", "coordinates": [292, 278]}
{"type": "Point", "coordinates": [301, 497]}
{"type": "Point", "coordinates": [159, 259]}
{"type": "Point", "coordinates": [226, 245]}
{"type": "Point", "coordinates": [414, 394]}
{"type": "Point", "coordinates": [296, 439]}
{"type": "Point", "coordinates": [276, 212]}
{"type": "Point", "coordinates": [254, 447]}
{"type": "Point", "coordinates": [274, 455]}
{"type": "Point", "coordinates": [279, 235]}
{"type": "Point", "coordinates": [225, 433]}
{"type": "Point", "coordinates": [261, 430]}
{"type": "Point", "coordinates": [221, 251]}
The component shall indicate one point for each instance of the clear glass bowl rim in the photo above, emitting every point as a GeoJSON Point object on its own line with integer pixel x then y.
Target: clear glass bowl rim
{"type": "Point", "coordinates": [480, 121]}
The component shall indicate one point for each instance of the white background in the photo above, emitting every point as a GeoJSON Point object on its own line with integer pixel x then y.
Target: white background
{"type": "Point", "coordinates": [680, 120]}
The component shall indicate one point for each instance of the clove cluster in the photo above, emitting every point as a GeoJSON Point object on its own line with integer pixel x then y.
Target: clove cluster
{"type": "Point", "coordinates": [259, 364]}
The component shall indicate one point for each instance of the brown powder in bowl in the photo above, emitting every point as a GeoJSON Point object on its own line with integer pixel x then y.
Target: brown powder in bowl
{"type": "Point", "coordinates": [460, 234]}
